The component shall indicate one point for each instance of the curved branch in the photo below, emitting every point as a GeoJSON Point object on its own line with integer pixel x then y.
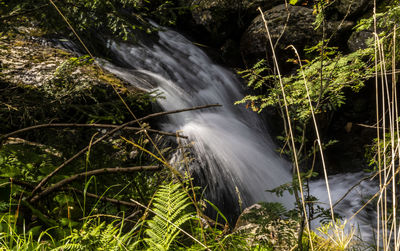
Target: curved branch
{"type": "Point", "coordinates": [102, 171]}
{"type": "Point", "coordinates": [5, 136]}
{"type": "Point", "coordinates": [351, 188]}
{"type": "Point", "coordinates": [111, 133]}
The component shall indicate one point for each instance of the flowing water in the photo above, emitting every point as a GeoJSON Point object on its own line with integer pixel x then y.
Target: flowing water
{"type": "Point", "coordinates": [365, 221]}
{"type": "Point", "coordinates": [231, 145]}
{"type": "Point", "coordinates": [234, 154]}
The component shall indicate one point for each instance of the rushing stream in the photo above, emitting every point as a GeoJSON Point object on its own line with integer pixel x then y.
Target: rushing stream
{"type": "Point", "coordinates": [235, 156]}
{"type": "Point", "coordinates": [364, 222]}
{"type": "Point", "coordinates": [232, 147]}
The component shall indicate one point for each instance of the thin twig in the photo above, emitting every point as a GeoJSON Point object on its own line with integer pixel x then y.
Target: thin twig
{"type": "Point", "coordinates": [290, 133]}
{"type": "Point", "coordinates": [351, 188]}
{"type": "Point", "coordinates": [20, 182]}
{"type": "Point", "coordinates": [90, 173]}
{"type": "Point", "coordinates": [45, 148]}
{"type": "Point", "coordinates": [103, 198]}
{"type": "Point", "coordinates": [23, 12]}
{"type": "Point", "coordinates": [111, 133]}
{"type": "Point", "coordinates": [393, 135]}
{"type": "Point", "coordinates": [284, 27]}
{"type": "Point", "coordinates": [5, 136]}
{"type": "Point", "coordinates": [378, 241]}
{"type": "Point", "coordinates": [317, 134]}
{"type": "Point", "coordinates": [371, 126]}
{"type": "Point", "coordinates": [383, 187]}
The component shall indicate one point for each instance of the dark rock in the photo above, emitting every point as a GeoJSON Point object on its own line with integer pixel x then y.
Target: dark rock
{"type": "Point", "coordinates": [226, 18]}
{"type": "Point", "coordinates": [358, 40]}
{"type": "Point", "coordinates": [291, 25]}
{"type": "Point", "coordinates": [218, 17]}
{"type": "Point", "coordinates": [351, 8]}
{"type": "Point", "coordinates": [250, 6]}
{"type": "Point", "coordinates": [288, 25]}
{"type": "Point", "coordinates": [230, 52]}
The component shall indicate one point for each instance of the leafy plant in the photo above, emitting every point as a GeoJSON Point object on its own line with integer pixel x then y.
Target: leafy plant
{"type": "Point", "coordinates": [338, 236]}
{"type": "Point", "coordinates": [170, 207]}
{"type": "Point", "coordinates": [12, 238]}
{"type": "Point", "coordinates": [118, 17]}
{"type": "Point", "coordinates": [98, 236]}
{"type": "Point", "coordinates": [340, 72]}
{"type": "Point", "coordinates": [26, 162]}
{"type": "Point", "coordinates": [267, 225]}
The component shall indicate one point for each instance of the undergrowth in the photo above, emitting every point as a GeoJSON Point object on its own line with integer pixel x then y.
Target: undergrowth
{"type": "Point", "coordinates": [93, 178]}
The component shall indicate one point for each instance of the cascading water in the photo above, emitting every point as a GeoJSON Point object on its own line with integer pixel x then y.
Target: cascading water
{"type": "Point", "coordinates": [232, 148]}
{"type": "Point", "coordinates": [231, 145]}
{"type": "Point", "coordinates": [365, 220]}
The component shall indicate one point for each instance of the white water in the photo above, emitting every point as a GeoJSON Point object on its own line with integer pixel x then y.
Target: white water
{"type": "Point", "coordinates": [231, 145]}
{"type": "Point", "coordinates": [365, 221]}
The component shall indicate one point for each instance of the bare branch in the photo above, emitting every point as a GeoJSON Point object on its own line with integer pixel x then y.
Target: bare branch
{"type": "Point", "coordinates": [103, 198]}
{"type": "Point", "coordinates": [63, 182]}
{"type": "Point", "coordinates": [111, 133]}
{"type": "Point", "coordinates": [23, 12]}
{"type": "Point", "coordinates": [5, 136]}
{"type": "Point", "coordinates": [20, 182]}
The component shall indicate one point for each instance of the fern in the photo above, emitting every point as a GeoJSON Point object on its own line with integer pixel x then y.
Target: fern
{"type": "Point", "coordinates": [170, 204]}
{"type": "Point", "coordinates": [97, 237]}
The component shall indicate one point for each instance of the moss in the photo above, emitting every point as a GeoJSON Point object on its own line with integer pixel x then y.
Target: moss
{"type": "Point", "coordinates": [50, 84]}
{"type": "Point", "coordinates": [41, 84]}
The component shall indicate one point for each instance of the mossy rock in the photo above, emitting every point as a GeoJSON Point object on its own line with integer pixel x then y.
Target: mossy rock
{"type": "Point", "coordinates": [39, 78]}
{"type": "Point", "coordinates": [43, 84]}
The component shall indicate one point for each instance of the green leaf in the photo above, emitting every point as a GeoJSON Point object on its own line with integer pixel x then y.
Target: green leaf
{"type": "Point", "coordinates": [218, 211]}
{"type": "Point", "coordinates": [170, 204]}
{"type": "Point", "coordinates": [35, 230]}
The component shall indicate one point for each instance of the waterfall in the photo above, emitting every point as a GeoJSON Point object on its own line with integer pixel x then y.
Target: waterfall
{"type": "Point", "coordinates": [231, 145]}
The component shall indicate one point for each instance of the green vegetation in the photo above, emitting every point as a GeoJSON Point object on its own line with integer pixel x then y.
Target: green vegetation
{"type": "Point", "coordinates": [117, 17]}
{"type": "Point", "coordinates": [81, 168]}
{"type": "Point", "coordinates": [319, 88]}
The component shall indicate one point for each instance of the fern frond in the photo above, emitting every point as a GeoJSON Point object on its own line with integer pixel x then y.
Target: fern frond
{"type": "Point", "coordinates": [170, 204]}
